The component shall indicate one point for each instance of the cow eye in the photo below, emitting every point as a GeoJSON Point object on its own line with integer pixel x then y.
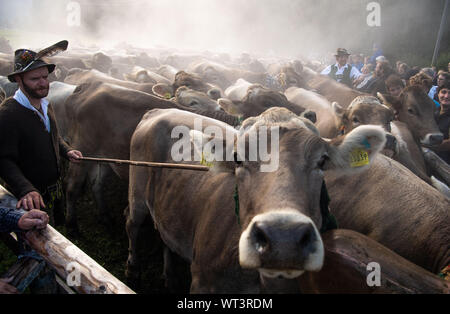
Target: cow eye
{"type": "Point", "coordinates": [193, 103]}
{"type": "Point", "coordinates": [322, 161]}
{"type": "Point", "coordinates": [410, 110]}
{"type": "Point", "coordinates": [355, 120]}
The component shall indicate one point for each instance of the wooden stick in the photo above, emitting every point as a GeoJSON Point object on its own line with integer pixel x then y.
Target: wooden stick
{"type": "Point", "coordinates": [148, 163]}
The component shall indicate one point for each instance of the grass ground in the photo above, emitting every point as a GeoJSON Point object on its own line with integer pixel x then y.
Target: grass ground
{"type": "Point", "coordinates": [108, 245]}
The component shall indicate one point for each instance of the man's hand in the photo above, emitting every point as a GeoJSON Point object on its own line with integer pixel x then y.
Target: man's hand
{"type": "Point", "coordinates": [74, 155]}
{"type": "Point", "coordinates": [31, 200]}
{"type": "Point", "coordinates": [5, 288]}
{"type": "Point", "coordinates": [33, 218]}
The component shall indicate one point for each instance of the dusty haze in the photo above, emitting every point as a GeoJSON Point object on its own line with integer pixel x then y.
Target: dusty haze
{"type": "Point", "coordinates": [289, 28]}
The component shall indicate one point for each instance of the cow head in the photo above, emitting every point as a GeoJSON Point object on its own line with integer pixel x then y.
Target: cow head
{"type": "Point", "coordinates": [279, 211]}
{"type": "Point", "coordinates": [190, 81]}
{"type": "Point", "coordinates": [195, 99]}
{"type": "Point", "coordinates": [414, 108]}
{"type": "Point", "coordinates": [290, 77]}
{"type": "Point", "coordinates": [366, 110]}
{"type": "Point", "coordinates": [257, 100]}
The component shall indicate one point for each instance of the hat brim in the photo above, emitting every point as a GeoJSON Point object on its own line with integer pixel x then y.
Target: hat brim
{"type": "Point", "coordinates": [37, 64]}
{"type": "Point", "coordinates": [341, 54]}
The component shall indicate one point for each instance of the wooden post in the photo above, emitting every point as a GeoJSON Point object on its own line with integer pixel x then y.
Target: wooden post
{"type": "Point", "coordinates": [437, 165]}
{"type": "Point", "coordinates": [80, 271]}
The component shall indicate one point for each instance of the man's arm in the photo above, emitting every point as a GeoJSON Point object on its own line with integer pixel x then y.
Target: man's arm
{"type": "Point", "coordinates": [16, 220]}
{"type": "Point", "coordinates": [354, 73]}
{"type": "Point", "coordinates": [9, 219]}
{"type": "Point", "coordinates": [326, 71]}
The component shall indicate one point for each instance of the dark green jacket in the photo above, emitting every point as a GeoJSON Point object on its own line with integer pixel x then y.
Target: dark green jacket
{"type": "Point", "coordinates": [29, 155]}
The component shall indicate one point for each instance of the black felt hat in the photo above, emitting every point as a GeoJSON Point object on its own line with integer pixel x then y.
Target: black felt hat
{"type": "Point", "coordinates": [26, 60]}
{"type": "Point", "coordinates": [341, 52]}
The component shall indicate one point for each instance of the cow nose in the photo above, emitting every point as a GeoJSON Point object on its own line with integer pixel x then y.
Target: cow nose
{"type": "Point", "coordinates": [283, 245]}
{"type": "Point", "coordinates": [436, 139]}
{"type": "Point", "coordinates": [391, 142]}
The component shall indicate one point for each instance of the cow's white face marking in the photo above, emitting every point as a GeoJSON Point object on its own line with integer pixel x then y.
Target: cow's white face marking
{"type": "Point", "coordinates": [249, 255]}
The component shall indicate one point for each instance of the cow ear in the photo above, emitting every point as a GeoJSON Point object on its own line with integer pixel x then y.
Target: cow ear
{"type": "Point", "coordinates": [338, 110]}
{"type": "Point", "coordinates": [230, 106]}
{"type": "Point", "coordinates": [390, 101]}
{"type": "Point", "coordinates": [163, 90]}
{"type": "Point", "coordinates": [356, 150]}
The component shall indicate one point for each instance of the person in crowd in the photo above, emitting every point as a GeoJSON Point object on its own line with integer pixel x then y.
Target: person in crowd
{"type": "Point", "coordinates": [377, 51]}
{"type": "Point", "coordinates": [382, 72]}
{"type": "Point", "coordinates": [342, 71]}
{"type": "Point", "coordinates": [367, 75]}
{"type": "Point", "coordinates": [442, 78]}
{"type": "Point", "coordinates": [403, 70]}
{"type": "Point", "coordinates": [443, 121]}
{"type": "Point", "coordinates": [30, 144]}
{"type": "Point", "coordinates": [394, 85]}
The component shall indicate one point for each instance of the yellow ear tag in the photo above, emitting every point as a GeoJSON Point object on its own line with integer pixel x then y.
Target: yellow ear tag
{"type": "Point", "coordinates": [359, 157]}
{"type": "Point", "coordinates": [167, 96]}
{"type": "Point", "coordinates": [204, 161]}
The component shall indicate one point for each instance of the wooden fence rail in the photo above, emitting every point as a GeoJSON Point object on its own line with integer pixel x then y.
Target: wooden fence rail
{"type": "Point", "coordinates": [81, 272]}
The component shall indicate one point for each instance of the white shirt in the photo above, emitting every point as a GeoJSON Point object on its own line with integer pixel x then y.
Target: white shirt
{"type": "Point", "coordinates": [354, 73]}
{"type": "Point", "coordinates": [432, 91]}
{"type": "Point", "coordinates": [23, 100]}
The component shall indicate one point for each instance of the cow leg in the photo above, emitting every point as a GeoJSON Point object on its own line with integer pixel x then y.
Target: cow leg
{"type": "Point", "coordinates": [97, 177]}
{"type": "Point", "coordinates": [135, 219]}
{"type": "Point", "coordinates": [76, 177]}
{"type": "Point", "coordinates": [176, 272]}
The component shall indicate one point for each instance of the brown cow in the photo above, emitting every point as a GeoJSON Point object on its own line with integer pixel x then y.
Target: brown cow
{"type": "Point", "coordinates": [189, 80]}
{"type": "Point", "coordinates": [275, 230]}
{"type": "Point", "coordinates": [333, 91]}
{"type": "Point", "coordinates": [257, 100]}
{"type": "Point", "coordinates": [333, 120]}
{"type": "Point", "coordinates": [348, 263]}
{"type": "Point", "coordinates": [100, 119]}
{"type": "Point", "coordinates": [78, 76]}
{"type": "Point", "coordinates": [415, 110]}
{"type": "Point", "coordinates": [142, 75]}
{"type": "Point", "coordinates": [391, 205]}
{"type": "Point", "coordinates": [224, 76]}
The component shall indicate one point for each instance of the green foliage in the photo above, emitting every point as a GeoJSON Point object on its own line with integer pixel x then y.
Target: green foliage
{"type": "Point", "coordinates": [7, 258]}
{"type": "Point", "coordinates": [443, 60]}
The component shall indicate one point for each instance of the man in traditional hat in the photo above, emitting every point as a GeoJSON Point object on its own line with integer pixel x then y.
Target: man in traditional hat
{"type": "Point", "coordinates": [341, 71]}
{"type": "Point", "coordinates": [30, 146]}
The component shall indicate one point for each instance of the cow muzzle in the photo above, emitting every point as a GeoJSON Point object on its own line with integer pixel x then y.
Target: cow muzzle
{"type": "Point", "coordinates": [281, 243]}
{"type": "Point", "coordinates": [432, 139]}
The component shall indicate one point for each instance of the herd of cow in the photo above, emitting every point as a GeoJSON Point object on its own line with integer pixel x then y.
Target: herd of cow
{"type": "Point", "coordinates": [240, 229]}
